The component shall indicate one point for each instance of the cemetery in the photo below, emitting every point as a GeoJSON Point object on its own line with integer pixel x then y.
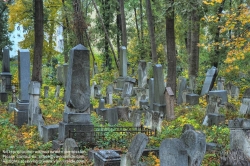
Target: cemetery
{"type": "Point", "coordinates": [124, 83]}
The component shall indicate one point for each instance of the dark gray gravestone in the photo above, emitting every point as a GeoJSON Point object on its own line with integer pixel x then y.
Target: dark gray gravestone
{"type": "Point", "coordinates": [123, 61]}
{"type": "Point", "coordinates": [195, 144]}
{"type": "Point", "coordinates": [76, 116]}
{"type": "Point", "coordinates": [137, 147]}
{"type": "Point", "coordinates": [142, 74]}
{"type": "Point", "coordinates": [151, 93]}
{"type": "Point", "coordinates": [123, 113]}
{"type": "Point", "coordinates": [78, 79]}
{"type": "Point", "coordinates": [220, 93]}
{"type": "Point", "coordinates": [159, 89]}
{"type": "Point", "coordinates": [110, 115]}
{"type": "Point", "coordinates": [107, 158]}
{"type": "Point", "coordinates": [215, 119]}
{"type": "Point", "coordinates": [192, 99]}
{"type": "Point", "coordinates": [21, 110]}
{"type": "Point", "coordinates": [172, 152]}
{"type": "Point", "coordinates": [209, 81]}
{"type": "Point", "coordinates": [6, 68]}
{"type": "Point", "coordinates": [182, 87]}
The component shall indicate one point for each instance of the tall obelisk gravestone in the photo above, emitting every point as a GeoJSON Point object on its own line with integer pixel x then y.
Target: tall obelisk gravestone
{"type": "Point", "coordinates": [21, 110]}
{"type": "Point", "coordinates": [76, 116]}
{"type": "Point", "coordinates": [6, 69]}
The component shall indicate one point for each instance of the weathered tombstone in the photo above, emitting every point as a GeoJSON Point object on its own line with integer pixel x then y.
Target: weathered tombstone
{"type": "Point", "coordinates": [65, 72]}
{"type": "Point", "coordinates": [6, 68]}
{"type": "Point", "coordinates": [95, 71]}
{"type": "Point", "coordinates": [151, 93]}
{"type": "Point", "coordinates": [221, 83]}
{"type": "Point", "coordinates": [136, 119]}
{"type": "Point", "coordinates": [70, 147]}
{"type": "Point", "coordinates": [101, 106]}
{"type": "Point", "coordinates": [172, 152]}
{"type": "Point", "coordinates": [170, 100]}
{"type": "Point", "coordinates": [110, 115]}
{"type": "Point", "coordinates": [215, 119]}
{"type": "Point", "coordinates": [240, 135]}
{"type": "Point", "coordinates": [14, 98]}
{"type": "Point", "coordinates": [246, 94]}
{"type": "Point", "coordinates": [220, 93]}
{"type": "Point", "coordinates": [192, 99]}
{"type": "Point", "coordinates": [159, 104]}
{"type": "Point", "coordinates": [209, 81]}
{"type": "Point", "coordinates": [126, 101]}
{"type": "Point", "coordinates": [182, 87]}
{"type": "Point", "coordinates": [123, 113]}
{"type": "Point", "coordinates": [34, 92]}
{"type": "Point", "coordinates": [235, 157]}
{"type": "Point", "coordinates": [235, 91]}
{"type": "Point", "coordinates": [21, 110]}
{"type": "Point", "coordinates": [76, 117]}
{"type": "Point", "coordinates": [107, 158]}
{"type": "Point", "coordinates": [46, 92]}
{"type": "Point", "coordinates": [128, 87]}
{"type": "Point", "coordinates": [59, 74]}
{"type": "Point", "coordinates": [92, 89]}
{"type": "Point", "coordinates": [97, 91]}
{"type": "Point", "coordinates": [109, 94]}
{"type": "Point", "coordinates": [57, 92]}
{"type": "Point", "coordinates": [195, 144]}
{"type": "Point", "coordinates": [142, 74]}
{"type": "Point", "coordinates": [148, 119]}
{"type": "Point", "coordinates": [157, 119]}
{"type": "Point", "coordinates": [137, 147]}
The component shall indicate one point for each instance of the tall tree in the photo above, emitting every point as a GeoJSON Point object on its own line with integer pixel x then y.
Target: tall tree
{"type": "Point", "coordinates": [150, 20]}
{"type": "Point", "coordinates": [38, 45]}
{"type": "Point", "coordinates": [123, 22]}
{"type": "Point", "coordinates": [171, 51]}
{"type": "Point", "coordinates": [4, 39]}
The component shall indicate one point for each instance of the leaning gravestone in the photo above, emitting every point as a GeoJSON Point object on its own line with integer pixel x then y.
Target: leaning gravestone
{"type": "Point", "coordinates": [209, 81]}
{"type": "Point", "coordinates": [76, 117]}
{"type": "Point", "coordinates": [195, 144]}
{"type": "Point", "coordinates": [21, 110]}
{"type": "Point", "coordinates": [6, 68]}
{"type": "Point", "coordinates": [142, 74]}
{"type": "Point", "coordinates": [136, 148]}
{"type": "Point", "coordinates": [172, 152]}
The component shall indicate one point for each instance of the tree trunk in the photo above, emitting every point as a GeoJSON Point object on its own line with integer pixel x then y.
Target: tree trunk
{"type": "Point", "coordinates": [123, 21]}
{"type": "Point", "coordinates": [171, 53]}
{"type": "Point", "coordinates": [194, 49]}
{"type": "Point", "coordinates": [38, 45]}
{"type": "Point", "coordinates": [151, 31]}
{"type": "Point", "coordinates": [119, 27]}
{"type": "Point", "coordinates": [65, 33]}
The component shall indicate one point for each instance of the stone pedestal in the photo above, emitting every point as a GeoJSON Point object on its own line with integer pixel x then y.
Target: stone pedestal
{"type": "Point", "coordinates": [50, 132]}
{"type": "Point", "coordinates": [21, 113]}
{"type": "Point", "coordinates": [107, 157]}
{"type": "Point", "coordinates": [192, 99]}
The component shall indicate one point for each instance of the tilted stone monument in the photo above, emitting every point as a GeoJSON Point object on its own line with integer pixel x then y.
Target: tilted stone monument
{"type": "Point", "coordinates": [21, 110]}
{"type": "Point", "coordinates": [76, 117]}
{"type": "Point", "coordinates": [209, 81]}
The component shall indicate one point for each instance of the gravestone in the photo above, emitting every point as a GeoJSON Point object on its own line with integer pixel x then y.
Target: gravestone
{"type": "Point", "coordinates": [6, 68]}
{"type": "Point", "coordinates": [151, 93]}
{"type": "Point", "coordinates": [109, 94]}
{"type": "Point", "coordinates": [76, 117]}
{"type": "Point", "coordinates": [220, 93]}
{"type": "Point", "coordinates": [123, 113]}
{"type": "Point", "coordinates": [59, 74]}
{"type": "Point", "coordinates": [70, 147]}
{"type": "Point", "coordinates": [172, 152]}
{"type": "Point", "coordinates": [21, 110]}
{"type": "Point", "coordinates": [195, 145]}
{"type": "Point", "coordinates": [128, 87]}
{"type": "Point", "coordinates": [235, 91]}
{"type": "Point", "coordinates": [34, 92]}
{"type": "Point", "coordinates": [221, 83]}
{"type": "Point", "coordinates": [3, 93]}
{"type": "Point", "coordinates": [182, 87]}
{"type": "Point", "coordinates": [110, 115]}
{"type": "Point", "coordinates": [65, 72]}
{"type": "Point", "coordinates": [192, 99]}
{"type": "Point", "coordinates": [46, 92]}
{"type": "Point", "coordinates": [50, 132]}
{"type": "Point", "coordinates": [57, 92]}
{"type": "Point", "coordinates": [157, 119]}
{"type": "Point", "coordinates": [159, 104]}
{"type": "Point", "coordinates": [240, 135]}
{"type": "Point", "coordinates": [148, 119]}
{"type": "Point", "coordinates": [170, 100]}
{"type": "Point", "coordinates": [215, 119]}
{"type": "Point", "coordinates": [97, 91]}
{"type": "Point", "coordinates": [142, 74]}
{"type": "Point", "coordinates": [123, 62]}
{"type": "Point", "coordinates": [137, 147]}
{"type": "Point", "coordinates": [209, 81]}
